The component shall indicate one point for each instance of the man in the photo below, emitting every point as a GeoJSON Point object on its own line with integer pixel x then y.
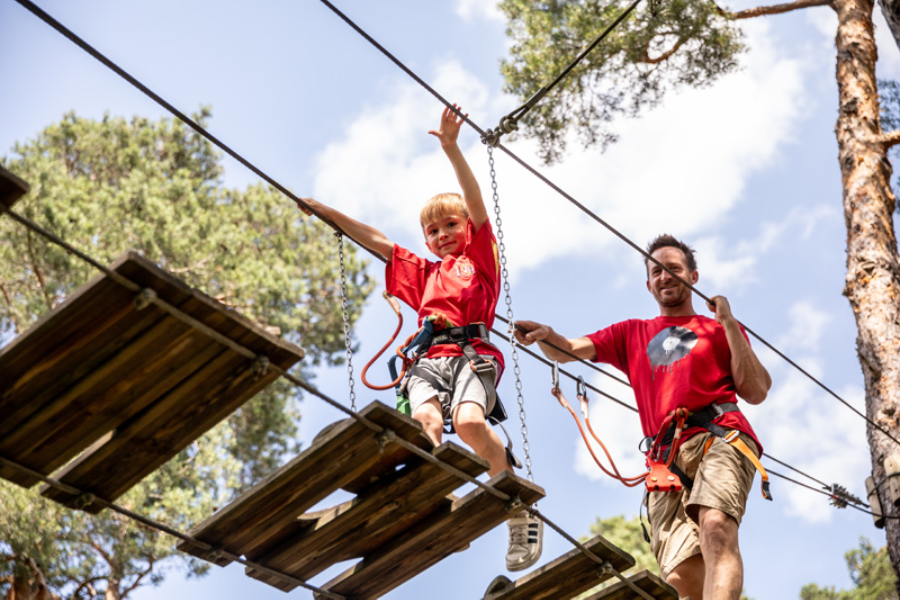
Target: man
{"type": "Point", "coordinates": [684, 360]}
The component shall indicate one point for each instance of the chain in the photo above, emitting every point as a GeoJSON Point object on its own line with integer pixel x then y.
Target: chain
{"type": "Point", "coordinates": [501, 248]}
{"type": "Point", "coordinates": [346, 314]}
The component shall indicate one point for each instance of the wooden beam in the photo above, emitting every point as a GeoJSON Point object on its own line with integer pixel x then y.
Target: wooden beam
{"type": "Point", "coordinates": [12, 187]}
{"type": "Point", "coordinates": [442, 534]}
{"type": "Point", "coordinates": [258, 517]}
{"type": "Point", "coordinates": [645, 581]}
{"type": "Point", "coordinates": [374, 518]}
{"type": "Point", "coordinates": [565, 577]}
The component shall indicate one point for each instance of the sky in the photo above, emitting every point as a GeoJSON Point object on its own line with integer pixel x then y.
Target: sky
{"type": "Point", "coordinates": [745, 170]}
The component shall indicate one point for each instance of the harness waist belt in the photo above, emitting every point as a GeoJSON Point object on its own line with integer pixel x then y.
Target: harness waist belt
{"type": "Point", "coordinates": [702, 418]}
{"type": "Point", "coordinates": [457, 335]}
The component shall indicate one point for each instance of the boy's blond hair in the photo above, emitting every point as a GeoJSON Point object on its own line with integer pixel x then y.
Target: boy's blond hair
{"type": "Point", "coordinates": [438, 207]}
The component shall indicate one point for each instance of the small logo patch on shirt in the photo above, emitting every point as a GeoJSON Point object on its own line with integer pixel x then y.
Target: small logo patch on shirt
{"type": "Point", "coordinates": [465, 269]}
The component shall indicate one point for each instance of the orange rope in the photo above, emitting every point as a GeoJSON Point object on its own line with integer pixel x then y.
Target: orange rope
{"type": "Point", "coordinates": [396, 306]}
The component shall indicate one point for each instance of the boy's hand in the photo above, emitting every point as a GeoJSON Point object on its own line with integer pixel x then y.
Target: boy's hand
{"type": "Point", "coordinates": [450, 124]}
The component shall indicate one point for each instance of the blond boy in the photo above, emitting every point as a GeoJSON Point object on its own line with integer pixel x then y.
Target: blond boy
{"type": "Point", "coordinates": [463, 286]}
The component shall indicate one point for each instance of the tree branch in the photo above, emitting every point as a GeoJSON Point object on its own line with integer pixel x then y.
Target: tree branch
{"type": "Point", "coordinates": [890, 139]}
{"type": "Point", "coordinates": [37, 271]}
{"type": "Point", "coordinates": [645, 56]}
{"type": "Point", "coordinates": [776, 9]}
{"type": "Point", "coordinates": [137, 581]}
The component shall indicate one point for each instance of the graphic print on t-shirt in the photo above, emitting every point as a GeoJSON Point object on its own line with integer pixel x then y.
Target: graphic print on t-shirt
{"type": "Point", "coordinates": [670, 346]}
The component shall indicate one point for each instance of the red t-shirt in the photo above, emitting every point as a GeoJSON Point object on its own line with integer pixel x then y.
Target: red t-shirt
{"type": "Point", "coordinates": [672, 362]}
{"type": "Point", "coordinates": [464, 287]}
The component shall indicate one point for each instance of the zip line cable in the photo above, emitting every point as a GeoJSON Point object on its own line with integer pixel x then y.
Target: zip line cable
{"type": "Point", "coordinates": [385, 434]}
{"type": "Point", "coordinates": [510, 122]}
{"type": "Point", "coordinates": [590, 213]}
{"type": "Point", "coordinates": [37, 11]}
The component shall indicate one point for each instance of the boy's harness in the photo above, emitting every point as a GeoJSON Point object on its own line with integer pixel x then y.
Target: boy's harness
{"type": "Point", "coordinates": [666, 443]}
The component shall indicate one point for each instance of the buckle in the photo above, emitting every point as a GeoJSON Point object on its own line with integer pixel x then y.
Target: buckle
{"type": "Point", "coordinates": [481, 366]}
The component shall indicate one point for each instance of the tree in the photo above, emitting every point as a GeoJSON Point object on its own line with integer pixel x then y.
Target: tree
{"type": "Point", "coordinates": [156, 186]}
{"type": "Point", "coordinates": [871, 573]}
{"type": "Point", "coordinates": [670, 44]}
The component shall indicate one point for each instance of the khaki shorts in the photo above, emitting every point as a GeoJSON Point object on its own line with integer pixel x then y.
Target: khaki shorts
{"type": "Point", "coordinates": [452, 380]}
{"type": "Point", "coordinates": [722, 480]}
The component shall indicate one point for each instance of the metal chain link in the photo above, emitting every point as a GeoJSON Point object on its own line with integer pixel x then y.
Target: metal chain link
{"type": "Point", "coordinates": [501, 248]}
{"type": "Point", "coordinates": [346, 314]}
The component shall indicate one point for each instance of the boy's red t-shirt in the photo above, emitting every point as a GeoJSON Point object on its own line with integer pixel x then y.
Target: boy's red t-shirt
{"type": "Point", "coordinates": [464, 287]}
{"type": "Point", "coordinates": [672, 362]}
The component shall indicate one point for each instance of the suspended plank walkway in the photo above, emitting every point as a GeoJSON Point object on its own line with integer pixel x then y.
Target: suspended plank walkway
{"type": "Point", "coordinates": [402, 520]}
{"type": "Point", "coordinates": [110, 387]}
{"type": "Point", "coordinates": [11, 188]}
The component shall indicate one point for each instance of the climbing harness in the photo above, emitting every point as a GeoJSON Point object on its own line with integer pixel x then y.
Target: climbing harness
{"type": "Point", "coordinates": [703, 418]}
{"type": "Point", "coordinates": [345, 312]}
{"type": "Point", "coordinates": [583, 399]}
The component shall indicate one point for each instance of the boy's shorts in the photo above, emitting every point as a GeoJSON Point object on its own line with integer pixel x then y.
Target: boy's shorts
{"type": "Point", "coordinates": [452, 380]}
{"type": "Point", "coordinates": [722, 480]}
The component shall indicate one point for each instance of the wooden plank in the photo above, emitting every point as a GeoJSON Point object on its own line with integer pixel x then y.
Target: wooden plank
{"type": "Point", "coordinates": [248, 523]}
{"type": "Point", "coordinates": [12, 187]}
{"type": "Point", "coordinates": [371, 520]}
{"type": "Point", "coordinates": [564, 577]}
{"type": "Point", "coordinates": [645, 581]}
{"type": "Point", "coordinates": [432, 540]}
{"type": "Point", "coordinates": [162, 430]}
{"type": "Point", "coordinates": [127, 396]}
{"type": "Point", "coordinates": [54, 354]}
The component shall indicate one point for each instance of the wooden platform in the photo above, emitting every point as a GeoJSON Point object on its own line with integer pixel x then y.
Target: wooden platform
{"type": "Point", "coordinates": [645, 581]}
{"type": "Point", "coordinates": [119, 389]}
{"type": "Point", "coordinates": [401, 521]}
{"type": "Point", "coordinates": [12, 188]}
{"type": "Point", "coordinates": [565, 577]}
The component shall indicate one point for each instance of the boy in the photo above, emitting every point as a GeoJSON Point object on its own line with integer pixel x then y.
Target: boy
{"type": "Point", "coordinates": [463, 286]}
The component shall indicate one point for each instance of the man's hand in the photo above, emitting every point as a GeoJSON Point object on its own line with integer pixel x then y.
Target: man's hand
{"type": "Point", "coordinates": [450, 125]}
{"type": "Point", "coordinates": [529, 332]}
{"type": "Point", "coordinates": [720, 306]}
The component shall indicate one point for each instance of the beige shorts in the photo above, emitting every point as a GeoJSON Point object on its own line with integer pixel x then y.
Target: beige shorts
{"type": "Point", "coordinates": [451, 380]}
{"type": "Point", "coordinates": [722, 480]}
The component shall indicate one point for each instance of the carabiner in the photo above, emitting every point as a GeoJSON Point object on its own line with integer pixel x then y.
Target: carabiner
{"type": "Point", "coordinates": [581, 387]}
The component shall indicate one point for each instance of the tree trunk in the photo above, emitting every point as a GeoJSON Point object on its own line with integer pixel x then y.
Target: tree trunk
{"type": "Point", "coordinates": [873, 266]}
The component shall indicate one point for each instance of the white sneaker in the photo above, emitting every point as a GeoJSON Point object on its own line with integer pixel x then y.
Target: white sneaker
{"type": "Point", "coordinates": [526, 537]}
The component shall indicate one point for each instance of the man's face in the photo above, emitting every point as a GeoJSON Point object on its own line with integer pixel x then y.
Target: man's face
{"type": "Point", "coordinates": [668, 291]}
{"type": "Point", "coordinates": [446, 236]}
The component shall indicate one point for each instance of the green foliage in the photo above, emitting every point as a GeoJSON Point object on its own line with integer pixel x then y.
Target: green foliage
{"type": "Point", "coordinates": [660, 46]}
{"type": "Point", "coordinates": [155, 186]}
{"type": "Point", "coordinates": [871, 572]}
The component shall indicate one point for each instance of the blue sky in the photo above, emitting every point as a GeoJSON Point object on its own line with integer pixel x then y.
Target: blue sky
{"type": "Point", "coordinates": [745, 170]}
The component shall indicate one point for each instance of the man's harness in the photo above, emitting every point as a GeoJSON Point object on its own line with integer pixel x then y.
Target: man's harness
{"type": "Point", "coordinates": [664, 475]}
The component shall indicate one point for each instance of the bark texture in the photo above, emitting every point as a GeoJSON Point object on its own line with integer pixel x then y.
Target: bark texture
{"type": "Point", "coordinates": [873, 267]}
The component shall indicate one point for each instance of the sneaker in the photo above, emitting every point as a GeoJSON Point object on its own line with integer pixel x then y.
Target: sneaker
{"type": "Point", "coordinates": [526, 536]}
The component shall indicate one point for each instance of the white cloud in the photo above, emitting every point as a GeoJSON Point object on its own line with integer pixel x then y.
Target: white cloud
{"type": "Point", "coordinates": [681, 168]}
{"type": "Point", "coordinates": [726, 264]}
{"type": "Point", "coordinates": [484, 9]}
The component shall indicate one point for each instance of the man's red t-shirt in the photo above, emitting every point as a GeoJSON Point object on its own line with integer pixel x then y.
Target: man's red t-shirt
{"type": "Point", "coordinates": [672, 362]}
{"type": "Point", "coordinates": [464, 287]}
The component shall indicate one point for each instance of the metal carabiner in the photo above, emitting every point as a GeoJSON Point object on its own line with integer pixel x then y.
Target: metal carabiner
{"type": "Point", "coordinates": [581, 393]}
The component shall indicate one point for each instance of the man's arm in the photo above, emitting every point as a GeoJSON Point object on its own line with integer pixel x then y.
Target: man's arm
{"type": "Point", "coordinates": [553, 345]}
{"type": "Point", "coordinates": [448, 133]}
{"type": "Point", "coordinates": [751, 378]}
{"type": "Point", "coordinates": [368, 236]}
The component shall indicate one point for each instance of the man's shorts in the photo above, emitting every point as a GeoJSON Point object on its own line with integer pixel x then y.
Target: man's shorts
{"type": "Point", "coordinates": [722, 480]}
{"type": "Point", "coordinates": [452, 380]}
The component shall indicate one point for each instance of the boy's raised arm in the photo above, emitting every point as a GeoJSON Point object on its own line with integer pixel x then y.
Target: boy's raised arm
{"type": "Point", "coordinates": [366, 235]}
{"type": "Point", "coordinates": [448, 133]}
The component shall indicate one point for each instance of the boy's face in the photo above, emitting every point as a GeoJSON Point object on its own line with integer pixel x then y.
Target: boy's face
{"type": "Point", "coordinates": [447, 235]}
